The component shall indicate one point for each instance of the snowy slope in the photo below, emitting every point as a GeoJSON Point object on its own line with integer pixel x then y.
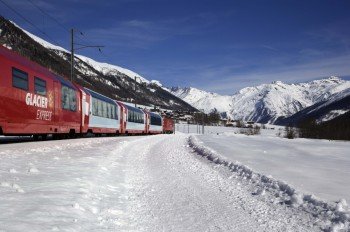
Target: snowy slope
{"type": "Point", "coordinates": [337, 104]}
{"type": "Point", "coordinates": [203, 100]}
{"type": "Point", "coordinates": [110, 80]}
{"type": "Point", "coordinates": [266, 102]}
{"type": "Point", "coordinates": [105, 68]}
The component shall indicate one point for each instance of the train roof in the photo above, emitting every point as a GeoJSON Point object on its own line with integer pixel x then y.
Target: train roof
{"type": "Point", "coordinates": [155, 115]}
{"type": "Point", "coordinates": [18, 58]}
{"type": "Point", "coordinates": [100, 96]}
{"type": "Point", "coordinates": [134, 109]}
{"type": "Point", "coordinates": [65, 82]}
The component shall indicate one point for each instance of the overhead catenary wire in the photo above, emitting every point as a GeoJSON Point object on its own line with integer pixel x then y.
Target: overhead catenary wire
{"type": "Point", "coordinates": [48, 15]}
{"type": "Point", "coordinates": [31, 23]}
{"type": "Point", "coordinates": [81, 36]}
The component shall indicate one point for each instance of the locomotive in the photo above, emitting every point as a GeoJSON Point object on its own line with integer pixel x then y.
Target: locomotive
{"type": "Point", "coordinates": [35, 101]}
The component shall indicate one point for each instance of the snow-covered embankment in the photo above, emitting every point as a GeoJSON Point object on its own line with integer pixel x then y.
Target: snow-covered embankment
{"type": "Point", "coordinates": [331, 216]}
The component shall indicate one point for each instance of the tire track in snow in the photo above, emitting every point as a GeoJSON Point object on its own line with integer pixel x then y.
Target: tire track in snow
{"type": "Point", "coordinates": [173, 189]}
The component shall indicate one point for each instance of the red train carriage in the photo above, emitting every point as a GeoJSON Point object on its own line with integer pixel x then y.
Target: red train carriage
{"type": "Point", "coordinates": [35, 101]}
{"type": "Point", "coordinates": [103, 114]}
{"type": "Point", "coordinates": [168, 125]}
{"type": "Point", "coordinates": [155, 123]}
{"type": "Point", "coordinates": [135, 120]}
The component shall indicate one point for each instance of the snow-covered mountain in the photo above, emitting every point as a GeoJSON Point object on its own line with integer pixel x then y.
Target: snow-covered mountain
{"type": "Point", "coordinates": [266, 102]}
{"type": "Point", "coordinates": [203, 100]}
{"type": "Point", "coordinates": [108, 79]}
{"type": "Point", "coordinates": [336, 105]}
{"type": "Point", "coordinates": [105, 68]}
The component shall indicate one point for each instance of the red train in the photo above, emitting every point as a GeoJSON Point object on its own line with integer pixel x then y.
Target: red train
{"type": "Point", "coordinates": [35, 101]}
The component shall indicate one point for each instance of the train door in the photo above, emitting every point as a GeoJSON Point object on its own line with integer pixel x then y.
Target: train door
{"type": "Point", "coordinates": [122, 118]}
{"type": "Point", "coordinates": [147, 121]}
{"type": "Point", "coordinates": [84, 111]}
{"type": "Point", "coordinates": [57, 98]}
{"type": "Point", "coordinates": [57, 105]}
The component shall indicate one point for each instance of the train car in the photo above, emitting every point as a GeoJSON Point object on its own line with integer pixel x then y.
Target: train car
{"type": "Point", "coordinates": [133, 120]}
{"type": "Point", "coordinates": [122, 116]}
{"type": "Point", "coordinates": [34, 101]}
{"type": "Point", "coordinates": [103, 114]}
{"type": "Point", "coordinates": [168, 125]}
{"type": "Point", "coordinates": [155, 123]}
{"type": "Point", "coordinates": [85, 109]}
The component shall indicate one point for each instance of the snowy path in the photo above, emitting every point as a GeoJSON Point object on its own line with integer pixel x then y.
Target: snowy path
{"type": "Point", "coordinates": [154, 183]}
{"type": "Point", "coordinates": [177, 190]}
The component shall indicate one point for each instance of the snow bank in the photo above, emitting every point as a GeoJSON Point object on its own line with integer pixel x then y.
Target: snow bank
{"type": "Point", "coordinates": [332, 216]}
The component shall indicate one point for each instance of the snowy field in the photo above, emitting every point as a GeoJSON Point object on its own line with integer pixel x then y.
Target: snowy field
{"type": "Point", "coordinates": [159, 183]}
{"type": "Point", "coordinates": [319, 167]}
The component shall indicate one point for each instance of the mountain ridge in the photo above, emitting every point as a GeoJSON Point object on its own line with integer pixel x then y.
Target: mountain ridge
{"type": "Point", "coordinates": [265, 103]}
{"type": "Point", "coordinates": [117, 83]}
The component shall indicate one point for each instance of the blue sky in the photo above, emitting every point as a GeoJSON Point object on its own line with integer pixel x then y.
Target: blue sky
{"type": "Point", "coordinates": [215, 45]}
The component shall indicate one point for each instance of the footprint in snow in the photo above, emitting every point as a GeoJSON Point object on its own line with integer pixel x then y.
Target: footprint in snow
{"type": "Point", "coordinates": [5, 184]}
{"type": "Point", "coordinates": [17, 188]}
{"type": "Point", "coordinates": [33, 170]}
{"type": "Point", "coordinates": [13, 186]}
{"type": "Point", "coordinates": [77, 206]}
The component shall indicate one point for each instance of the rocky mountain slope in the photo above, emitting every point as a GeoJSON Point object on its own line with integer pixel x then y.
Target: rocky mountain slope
{"type": "Point", "coordinates": [336, 105]}
{"type": "Point", "coordinates": [110, 80]}
{"type": "Point", "coordinates": [267, 102]}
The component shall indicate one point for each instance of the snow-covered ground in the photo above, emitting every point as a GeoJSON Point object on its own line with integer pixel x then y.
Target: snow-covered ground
{"type": "Point", "coordinates": [319, 167]}
{"type": "Point", "coordinates": [151, 183]}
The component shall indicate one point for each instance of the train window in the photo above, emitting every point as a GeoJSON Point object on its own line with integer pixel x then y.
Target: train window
{"type": "Point", "coordinates": [142, 118]}
{"type": "Point", "coordinates": [73, 100]}
{"type": "Point", "coordinates": [39, 86]}
{"type": "Point", "coordinates": [139, 120]}
{"type": "Point", "coordinates": [19, 79]}
{"type": "Point", "coordinates": [110, 115]}
{"type": "Point", "coordinates": [94, 106]}
{"type": "Point", "coordinates": [105, 110]}
{"type": "Point", "coordinates": [156, 120]}
{"type": "Point", "coordinates": [99, 107]}
{"type": "Point", "coordinates": [102, 112]}
{"type": "Point", "coordinates": [116, 111]}
{"type": "Point", "coordinates": [113, 112]}
{"type": "Point", "coordinates": [68, 98]}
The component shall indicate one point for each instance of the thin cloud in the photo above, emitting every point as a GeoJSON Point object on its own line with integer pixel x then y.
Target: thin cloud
{"type": "Point", "coordinates": [269, 47]}
{"type": "Point", "coordinates": [142, 33]}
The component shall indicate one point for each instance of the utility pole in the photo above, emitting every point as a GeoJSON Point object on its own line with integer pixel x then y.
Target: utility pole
{"type": "Point", "coordinates": [73, 49]}
{"type": "Point", "coordinates": [72, 55]}
{"type": "Point", "coordinates": [202, 112]}
{"type": "Point", "coordinates": [135, 91]}
{"type": "Point", "coordinates": [203, 123]}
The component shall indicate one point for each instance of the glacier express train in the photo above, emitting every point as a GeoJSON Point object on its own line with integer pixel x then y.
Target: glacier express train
{"type": "Point", "coordinates": [35, 101]}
